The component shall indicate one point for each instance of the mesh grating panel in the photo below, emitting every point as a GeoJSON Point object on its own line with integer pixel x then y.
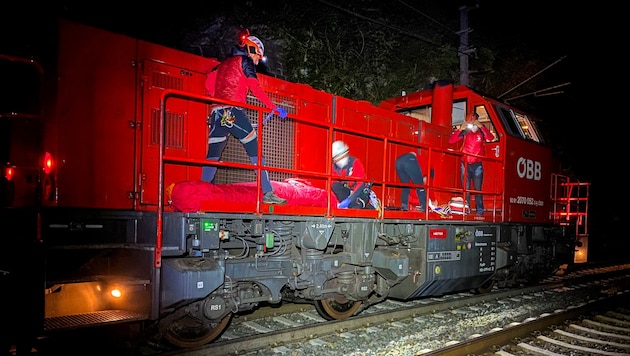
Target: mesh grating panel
{"type": "Point", "coordinates": [87, 319]}
{"type": "Point", "coordinates": [277, 143]}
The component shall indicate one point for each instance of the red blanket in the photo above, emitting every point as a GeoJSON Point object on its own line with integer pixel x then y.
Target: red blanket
{"type": "Point", "coordinates": [186, 196]}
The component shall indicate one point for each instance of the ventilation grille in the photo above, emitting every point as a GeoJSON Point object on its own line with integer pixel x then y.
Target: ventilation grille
{"type": "Point", "coordinates": [174, 129]}
{"type": "Point", "coordinates": [166, 81]}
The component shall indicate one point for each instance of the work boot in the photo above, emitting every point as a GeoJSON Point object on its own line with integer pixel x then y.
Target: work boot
{"type": "Point", "coordinates": [271, 198]}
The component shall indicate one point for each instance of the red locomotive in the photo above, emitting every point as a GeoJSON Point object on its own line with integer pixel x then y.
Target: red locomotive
{"type": "Point", "coordinates": [102, 160]}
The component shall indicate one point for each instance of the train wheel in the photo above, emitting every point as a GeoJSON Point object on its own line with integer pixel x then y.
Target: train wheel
{"type": "Point", "coordinates": [337, 308]}
{"type": "Point", "coordinates": [190, 332]}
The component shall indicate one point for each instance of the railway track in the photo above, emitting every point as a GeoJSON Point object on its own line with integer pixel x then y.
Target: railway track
{"type": "Point", "coordinates": [578, 331]}
{"type": "Point", "coordinates": [452, 325]}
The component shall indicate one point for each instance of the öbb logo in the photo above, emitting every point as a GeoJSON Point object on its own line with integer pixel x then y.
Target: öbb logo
{"type": "Point", "coordinates": [526, 168]}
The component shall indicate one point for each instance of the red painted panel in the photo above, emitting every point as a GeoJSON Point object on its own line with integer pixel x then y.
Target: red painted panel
{"type": "Point", "coordinates": [314, 112]}
{"type": "Point", "coordinates": [528, 169]}
{"type": "Point", "coordinates": [405, 128]}
{"type": "Point", "coordinates": [96, 104]}
{"type": "Point", "coordinates": [185, 125]}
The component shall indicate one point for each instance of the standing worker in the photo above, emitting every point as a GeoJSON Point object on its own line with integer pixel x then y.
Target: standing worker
{"type": "Point", "coordinates": [231, 80]}
{"type": "Point", "coordinates": [475, 136]}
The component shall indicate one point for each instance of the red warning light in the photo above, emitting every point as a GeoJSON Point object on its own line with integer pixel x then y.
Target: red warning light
{"type": "Point", "coordinates": [48, 163]}
{"type": "Point", "coordinates": [244, 33]}
{"type": "Point", "coordinates": [9, 172]}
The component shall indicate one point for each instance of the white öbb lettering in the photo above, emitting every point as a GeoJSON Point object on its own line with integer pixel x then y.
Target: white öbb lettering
{"type": "Point", "coordinates": [528, 169]}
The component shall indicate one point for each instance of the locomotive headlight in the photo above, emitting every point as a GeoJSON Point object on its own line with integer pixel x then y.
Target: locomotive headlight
{"type": "Point", "coordinates": [116, 292]}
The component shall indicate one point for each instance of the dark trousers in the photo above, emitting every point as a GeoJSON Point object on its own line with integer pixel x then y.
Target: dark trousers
{"type": "Point", "coordinates": [474, 174]}
{"type": "Point", "coordinates": [408, 170]}
{"type": "Point", "coordinates": [232, 121]}
{"type": "Point", "coordinates": [359, 199]}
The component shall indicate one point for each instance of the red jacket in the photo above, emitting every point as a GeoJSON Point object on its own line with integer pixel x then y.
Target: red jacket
{"type": "Point", "coordinates": [233, 78]}
{"type": "Point", "coordinates": [353, 169]}
{"type": "Point", "coordinates": [474, 142]}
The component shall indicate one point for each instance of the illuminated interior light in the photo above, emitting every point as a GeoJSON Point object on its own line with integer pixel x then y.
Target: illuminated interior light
{"type": "Point", "coordinates": [48, 163]}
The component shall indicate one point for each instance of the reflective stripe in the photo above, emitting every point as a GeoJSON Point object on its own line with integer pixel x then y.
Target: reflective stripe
{"type": "Point", "coordinates": [250, 137]}
{"type": "Point", "coordinates": [216, 139]}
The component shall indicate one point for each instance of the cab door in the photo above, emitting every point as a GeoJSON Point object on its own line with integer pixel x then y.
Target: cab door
{"type": "Point", "coordinates": [494, 161]}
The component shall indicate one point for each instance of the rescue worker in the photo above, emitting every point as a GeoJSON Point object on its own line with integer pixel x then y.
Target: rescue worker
{"type": "Point", "coordinates": [231, 80]}
{"type": "Point", "coordinates": [408, 170]}
{"type": "Point", "coordinates": [349, 193]}
{"type": "Point", "coordinates": [474, 135]}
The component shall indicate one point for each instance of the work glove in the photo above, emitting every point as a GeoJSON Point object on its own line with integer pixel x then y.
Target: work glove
{"type": "Point", "coordinates": [280, 111]}
{"type": "Point", "coordinates": [277, 110]}
{"type": "Point", "coordinates": [344, 203]}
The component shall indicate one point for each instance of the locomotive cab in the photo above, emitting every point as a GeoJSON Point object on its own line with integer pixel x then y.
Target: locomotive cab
{"type": "Point", "coordinates": [524, 190]}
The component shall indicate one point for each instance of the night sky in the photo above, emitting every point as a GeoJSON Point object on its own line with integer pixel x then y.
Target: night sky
{"type": "Point", "coordinates": [587, 118]}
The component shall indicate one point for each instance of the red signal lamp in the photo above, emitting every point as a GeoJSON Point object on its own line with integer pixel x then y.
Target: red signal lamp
{"type": "Point", "coordinates": [9, 172]}
{"type": "Point", "coordinates": [48, 163]}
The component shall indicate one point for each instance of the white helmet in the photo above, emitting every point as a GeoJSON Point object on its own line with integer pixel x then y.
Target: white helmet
{"type": "Point", "coordinates": [254, 46]}
{"type": "Point", "coordinates": [339, 150]}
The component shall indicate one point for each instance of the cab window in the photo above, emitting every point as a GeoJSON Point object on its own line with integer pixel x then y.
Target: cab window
{"type": "Point", "coordinates": [519, 125]}
{"type": "Point", "coordinates": [484, 119]}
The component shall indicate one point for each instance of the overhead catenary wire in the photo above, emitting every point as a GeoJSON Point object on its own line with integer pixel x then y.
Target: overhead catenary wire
{"type": "Point", "coordinates": [408, 33]}
{"type": "Point", "coordinates": [425, 39]}
{"type": "Point", "coordinates": [542, 92]}
{"type": "Point", "coordinates": [532, 77]}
